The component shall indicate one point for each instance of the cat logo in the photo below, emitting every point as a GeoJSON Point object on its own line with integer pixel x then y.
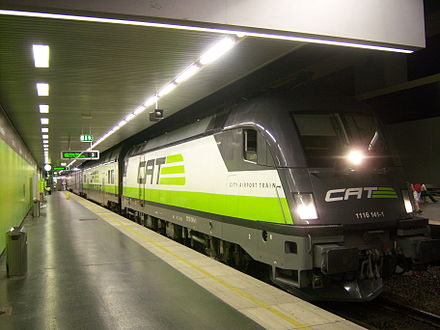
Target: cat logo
{"type": "Point", "coordinates": [162, 170]}
{"type": "Point", "coordinates": [344, 194]}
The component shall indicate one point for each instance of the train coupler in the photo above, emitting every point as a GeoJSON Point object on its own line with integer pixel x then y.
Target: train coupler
{"type": "Point", "coordinates": [335, 259]}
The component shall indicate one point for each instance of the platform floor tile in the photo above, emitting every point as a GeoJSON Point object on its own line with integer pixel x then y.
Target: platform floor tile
{"type": "Point", "coordinates": [266, 305]}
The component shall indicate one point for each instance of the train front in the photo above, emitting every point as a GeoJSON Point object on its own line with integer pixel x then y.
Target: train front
{"type": "Point", "coordinates": [354, 207]}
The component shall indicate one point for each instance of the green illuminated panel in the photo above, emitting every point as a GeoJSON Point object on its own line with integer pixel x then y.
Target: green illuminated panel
{"type": "Point", "coordinates": [92, 154]}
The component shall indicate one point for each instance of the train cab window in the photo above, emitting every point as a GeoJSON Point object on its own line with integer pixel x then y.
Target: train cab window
{"type": "Point", "coordinates": [250, 145]}
{"type": "Point", "coordinates": [323, 137]}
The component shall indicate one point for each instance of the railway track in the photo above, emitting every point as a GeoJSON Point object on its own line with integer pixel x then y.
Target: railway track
{"type": "Point", "coordinates": [384, 313]}
{"type": "Point", "coordinates": [411, 312]}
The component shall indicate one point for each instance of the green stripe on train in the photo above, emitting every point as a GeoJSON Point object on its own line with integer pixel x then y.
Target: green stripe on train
{"type": "Point", "coordinates": [384, 192]}
{"type": "Point", "coordinates": [176, 181]}
{"type": "Point", "coordinates": [386, 188]}
{"type": "Point", "coordinates": [267, 209]}
{"type": "Point", "coordinates": [174, 158]}
{"type": "Point", "coordinates": [112, 189]}
{"type": "Point", "coordinates": [385, 196]}
{"type": "Point", "coordinates": [379, 192]}
{"type": "Point", "coordinates": [179, 169]}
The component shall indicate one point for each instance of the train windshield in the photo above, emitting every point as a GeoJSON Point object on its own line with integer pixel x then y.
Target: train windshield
{"type": "Point", "coordinates": [328, 140]}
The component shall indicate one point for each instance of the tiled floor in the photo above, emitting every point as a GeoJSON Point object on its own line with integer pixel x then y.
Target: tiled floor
{"type": "Point", "coordinates": [85, 274]}
{"type": "Point", "coordinates": [268, 306]}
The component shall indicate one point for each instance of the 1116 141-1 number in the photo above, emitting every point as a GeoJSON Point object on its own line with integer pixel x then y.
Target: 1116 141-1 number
{"type": "Point", "coordinates": [369, 215]}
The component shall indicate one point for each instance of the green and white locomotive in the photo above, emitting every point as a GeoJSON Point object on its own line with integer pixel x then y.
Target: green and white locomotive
{"type": "Point", "coordinates": [304, 186]}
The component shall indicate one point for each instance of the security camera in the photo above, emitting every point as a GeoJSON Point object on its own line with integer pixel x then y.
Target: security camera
{"type": "Point", "coordinates": [156, 115]}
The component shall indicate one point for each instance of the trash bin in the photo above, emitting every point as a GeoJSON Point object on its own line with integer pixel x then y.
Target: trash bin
{"type": "Point", "coordinates": [36, 208]}
{"type": "Point", "coordinates": [16, 252]}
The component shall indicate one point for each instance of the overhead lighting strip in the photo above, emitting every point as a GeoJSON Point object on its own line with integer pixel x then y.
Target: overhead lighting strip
{"type": "Point", "coordinates": [42, 89]}
{"type": "Point", "coordinates": [41, 56]}
{"type": "Point", "coordinates": [212, 54]}
{"type": "Point", "coordinates": [200, 29]}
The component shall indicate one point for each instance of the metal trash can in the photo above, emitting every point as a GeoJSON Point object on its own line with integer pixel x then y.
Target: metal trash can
{"type": "Point", "coordinates": [16, 252]}
{"type": "Point", "coordinates": [36, 208]}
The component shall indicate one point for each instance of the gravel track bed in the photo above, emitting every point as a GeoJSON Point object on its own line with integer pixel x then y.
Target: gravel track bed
{"type": "Point", "coordinates": [417, 289]}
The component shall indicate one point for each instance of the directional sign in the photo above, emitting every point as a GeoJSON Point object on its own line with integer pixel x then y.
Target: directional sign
{"type": "Point", "coordinates": [92, 154]}
{"type": "Point", "coordinates": [86, 138]}
{"type": "Point", "coordinates": [60, 168]}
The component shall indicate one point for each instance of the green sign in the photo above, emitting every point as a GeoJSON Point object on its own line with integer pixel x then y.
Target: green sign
{"type": "Point", "coordinates": [92, 154]}
{"type": "Point", "coordinates": [60, 168]}
{"type": "Point", "coordinates": [86, 138]}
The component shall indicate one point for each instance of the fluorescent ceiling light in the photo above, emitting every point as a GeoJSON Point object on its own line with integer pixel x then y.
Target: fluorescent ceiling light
{"type": "Point", "coordinates": [45, 146]}
{"type": "Point", "coordinates": [44, 129]}
{"type": "Point", "coordinates": [63, 164]}
{"type": "Point", "coordinates": [42, 89]}
{"type": "Point", "coordinates": [122, 123]}
{"type": "Point", "coordinates": [45, 136]}
{"type": "Point", "coordinates": [203, 29]}
{"type": "Point", "coordinates": [217, 50]}
{"type": "Point", "coordinates": [138, 110]}
{"type": "Point", "coordinates": [166, 89]}
{"type": "Point", "coordinates": [150, 101]}
{"type": "Point", "coordinates": [129, 117]}
{"type": "Point", "coordinates": [41, 56]}
{"type": "Point", "coordinates": [187, 73]}
{"type": "Point", "coordinates": [44, 108]}
{"type": "Point", "coordinates": [45, 141]}
{"type": "Point", "coordinates": [44, 121]}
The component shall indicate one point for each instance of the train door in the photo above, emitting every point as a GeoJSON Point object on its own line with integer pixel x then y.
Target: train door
{"type": "Point", "coordinates": [141, 178]}
{"type": "Point", "coordinates": [231, 197]}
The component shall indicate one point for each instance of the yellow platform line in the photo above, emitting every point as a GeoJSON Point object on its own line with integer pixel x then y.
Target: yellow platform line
{"type": "Point", "coordinates": [201, 270]}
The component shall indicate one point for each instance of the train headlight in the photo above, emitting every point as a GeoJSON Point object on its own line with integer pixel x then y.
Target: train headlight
{"type": "Point", "coordinates": [355, 157]}
{"type": "Point", "coordinates": [407, 201]}
{"type": "Point", "coordinates": [305, 206]}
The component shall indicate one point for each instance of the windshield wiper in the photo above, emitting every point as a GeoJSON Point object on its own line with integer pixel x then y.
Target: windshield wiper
{"type": "Point", "coordinates": [373, 140]}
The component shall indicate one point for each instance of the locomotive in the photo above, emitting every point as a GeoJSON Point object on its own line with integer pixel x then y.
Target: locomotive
{"type": "Point", "coordinates": [305, 186]}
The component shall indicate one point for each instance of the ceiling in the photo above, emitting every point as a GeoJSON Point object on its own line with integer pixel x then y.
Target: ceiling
{"type": "Point", "coordinates": [101, 72]}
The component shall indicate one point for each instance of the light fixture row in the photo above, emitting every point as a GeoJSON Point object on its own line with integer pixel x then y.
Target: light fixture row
{"type": "Point", "coordinates": [202, 29]}
{"type": "Point", "coordinates": [41, 54]}
{"type": "Point", "coordinates": [209, 56]}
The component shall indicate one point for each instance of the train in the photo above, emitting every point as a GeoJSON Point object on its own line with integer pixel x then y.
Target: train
{"type": "Point", "coordinates": [306, 186]}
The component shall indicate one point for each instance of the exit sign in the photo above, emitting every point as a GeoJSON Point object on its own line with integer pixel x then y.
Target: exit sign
{"type": "Point", "coordinates": [86, 138]}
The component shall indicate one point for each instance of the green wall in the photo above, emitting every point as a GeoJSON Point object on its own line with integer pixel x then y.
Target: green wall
{"type": "Point", "coordinates": [15, 189]}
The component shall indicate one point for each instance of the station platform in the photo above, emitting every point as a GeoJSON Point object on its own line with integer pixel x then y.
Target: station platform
{"type": "Point", "coordinates": [89, 268]}
{"type": "Point", "coordinates": [431, 211]}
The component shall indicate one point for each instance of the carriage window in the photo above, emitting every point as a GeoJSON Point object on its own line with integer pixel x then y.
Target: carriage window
{"type": "Point", "coordinates": [108, 177]}
{"type": "Point", "coordinates": [112, 176]}
{"type": "Point", "coordinates": [250, 145]}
